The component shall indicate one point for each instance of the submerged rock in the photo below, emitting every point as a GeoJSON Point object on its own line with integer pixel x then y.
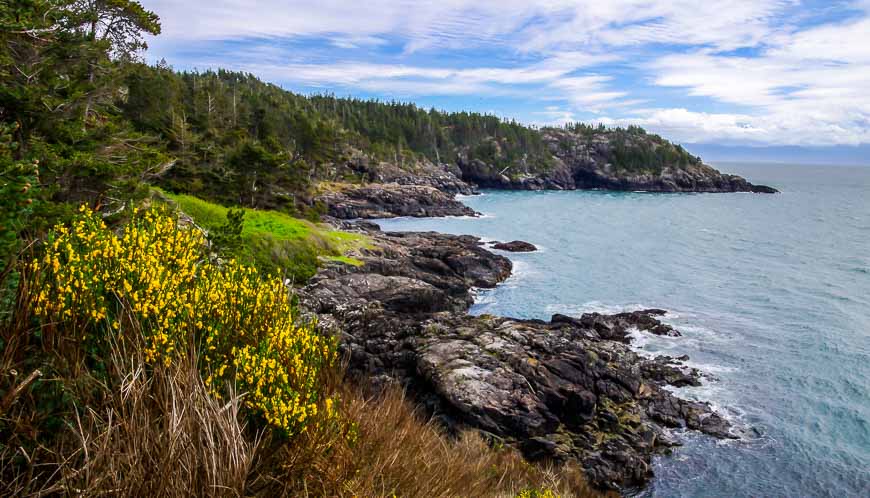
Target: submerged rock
{"type": "Point", "coordinates": [568, 389]}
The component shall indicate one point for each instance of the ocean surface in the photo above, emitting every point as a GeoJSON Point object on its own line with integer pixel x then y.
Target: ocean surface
{"type": "Point", "coordinates": [771, 293]}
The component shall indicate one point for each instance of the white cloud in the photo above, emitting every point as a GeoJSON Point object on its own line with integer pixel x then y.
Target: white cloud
{"type": "Point", "coordinates": [810, 87]}
{"type": "Point", "coordinates": [682, 125]}
{"type": "Point", "coordinates": [537, 24]}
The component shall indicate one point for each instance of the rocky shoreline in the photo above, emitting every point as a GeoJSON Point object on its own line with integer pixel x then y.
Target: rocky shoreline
{"type": "Point", "coordinates": [568, 389]}
{"type": "Point", "coordinates": [388, 200]}
{"type": "Point", "coordinates": [427, 189]}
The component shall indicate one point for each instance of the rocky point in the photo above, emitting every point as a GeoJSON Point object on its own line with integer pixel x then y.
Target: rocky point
{"type": "Point", "coordinates": [565, 390]}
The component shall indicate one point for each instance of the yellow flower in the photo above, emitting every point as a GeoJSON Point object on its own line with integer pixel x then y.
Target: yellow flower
{"type": "Point", "coordinates": [162, 277]}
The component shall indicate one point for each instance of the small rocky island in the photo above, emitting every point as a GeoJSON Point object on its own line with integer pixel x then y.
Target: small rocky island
{"type": "Point", "coordinates": [568, 389]}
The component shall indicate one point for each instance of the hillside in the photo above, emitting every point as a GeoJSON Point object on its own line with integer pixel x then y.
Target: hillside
{"type": "Point", "coordinates": [237, 140]}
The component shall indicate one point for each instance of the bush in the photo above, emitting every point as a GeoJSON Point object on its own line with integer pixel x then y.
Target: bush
{"type": "Point", "coordinates": [156, 281]}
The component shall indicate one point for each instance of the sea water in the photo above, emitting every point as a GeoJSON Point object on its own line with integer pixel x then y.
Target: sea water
{"type": "Point", "coordinates": [771, 293]}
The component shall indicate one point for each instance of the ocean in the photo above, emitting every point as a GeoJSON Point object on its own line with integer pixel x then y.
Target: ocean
{"type": "Point", "coordinates": [771, 293]}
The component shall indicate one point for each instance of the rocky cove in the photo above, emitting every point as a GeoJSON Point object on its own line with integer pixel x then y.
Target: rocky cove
{"type": "Point", "coordinates": [564, 390]}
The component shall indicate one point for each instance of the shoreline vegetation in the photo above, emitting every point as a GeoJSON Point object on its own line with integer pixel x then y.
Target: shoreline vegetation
{"type": "Point", "coordinates": [184, 312]}
{"type": "Point", "coordinates": [158, 371]}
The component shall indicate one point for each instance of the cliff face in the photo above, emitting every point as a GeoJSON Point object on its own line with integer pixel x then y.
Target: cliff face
{"type": "Point", "coordinates": [610, 160]}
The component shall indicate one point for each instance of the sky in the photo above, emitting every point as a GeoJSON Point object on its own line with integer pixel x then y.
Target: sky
{"type": "Point", "coordinates": [781, 74]}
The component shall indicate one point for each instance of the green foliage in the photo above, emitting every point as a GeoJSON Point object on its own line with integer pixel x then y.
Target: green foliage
{"type": "Point", "coordinates": [241, 141]}
{"type": "Point", "coordinates": [236, 140]}
{"type": "Point", "coordinates": [60, 62]}
{"type": "Point", "coordinates": [17, 181]}
{"type": "Point", "coordinates": [436, 135]}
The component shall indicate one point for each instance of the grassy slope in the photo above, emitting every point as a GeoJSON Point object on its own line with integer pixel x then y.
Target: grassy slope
{"type": "Point", "coordinates": [265, 229]}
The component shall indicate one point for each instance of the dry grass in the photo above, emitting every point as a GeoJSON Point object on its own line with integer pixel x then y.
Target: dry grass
{"type": "Point", "coordinates": [161, 434]}
{"type": "Point", "coordinates": [157, 433]}
{"type": "Point", "coordinates": [398, 453]}
{"type": "Point", "coordinates": [134, 430]}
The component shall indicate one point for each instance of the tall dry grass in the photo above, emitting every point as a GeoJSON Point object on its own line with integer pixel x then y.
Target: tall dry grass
{"type": "Point", "coordinates": [160, 433]}
{"type": "Point", "coordinates": [399, 453]}
{"type": "Point", "coordinates": [154, 433]}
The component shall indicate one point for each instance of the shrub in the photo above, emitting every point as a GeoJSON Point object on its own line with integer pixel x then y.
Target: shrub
{"type": "Point", "coordinates": [155, 281]}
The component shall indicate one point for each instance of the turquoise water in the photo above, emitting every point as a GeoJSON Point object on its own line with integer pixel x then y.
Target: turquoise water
{"type": "Point", "coordinates": [771, 292]}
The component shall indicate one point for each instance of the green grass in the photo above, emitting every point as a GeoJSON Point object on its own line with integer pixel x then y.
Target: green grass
{"type": "Point", "coordinates": [344, 259]}
{"type": "Point", "coordinates": [276, 241]}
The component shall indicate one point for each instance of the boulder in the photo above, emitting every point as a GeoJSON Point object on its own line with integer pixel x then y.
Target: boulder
{"type": "Point", "coordinates": [514, 246]}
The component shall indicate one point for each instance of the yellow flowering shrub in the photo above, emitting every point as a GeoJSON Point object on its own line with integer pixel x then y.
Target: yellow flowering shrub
{"type": "Point", "coordinates": [156, 279]}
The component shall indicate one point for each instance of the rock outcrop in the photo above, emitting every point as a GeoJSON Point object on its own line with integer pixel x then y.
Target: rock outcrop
{"type": "Point", "coordinates": [568, 389]}
{"type": "Point", "coordinates": [444, 177]}
{"type": "Point", "coordinates": [626, 160]}
{"type": "Point", "coordinates": [389, 200]}
{"type": "Point", "coordinates": [514, 246]}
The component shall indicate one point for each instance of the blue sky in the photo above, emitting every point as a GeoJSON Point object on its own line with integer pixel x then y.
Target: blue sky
{"type": "Point", "coordinates": [733, 73]}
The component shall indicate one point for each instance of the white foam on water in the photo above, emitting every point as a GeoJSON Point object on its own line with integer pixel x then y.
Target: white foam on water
{"type": "Point", "coordinates": [482, 297]}
{"type": "Point", "coordinates": [712, 368]}
{"type": "Point", "coordinates": [457, 217]}
{"type": "Point", "coordinates": [520, 271]}
{"type": "Point", "coordinates": [694, 337]}
{"type": "Point", "coordinates": [646, 344]}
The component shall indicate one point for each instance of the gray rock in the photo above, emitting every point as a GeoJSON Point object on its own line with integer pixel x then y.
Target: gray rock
{"type": "Point", "coordinates": [584, 162]}
{"type": "Point", "coordinates": [390, 200]}
{"type": "Point", "coordinates": [515, 246]}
